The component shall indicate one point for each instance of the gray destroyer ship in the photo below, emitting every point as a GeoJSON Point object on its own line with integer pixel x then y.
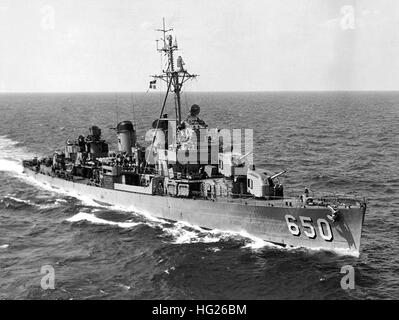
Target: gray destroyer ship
{"type": "Point", "coordinates": [192, 173]}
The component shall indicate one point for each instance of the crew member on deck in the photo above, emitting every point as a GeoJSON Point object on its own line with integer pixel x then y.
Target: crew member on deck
{"type": "Point", "coordinates": [306, 198]}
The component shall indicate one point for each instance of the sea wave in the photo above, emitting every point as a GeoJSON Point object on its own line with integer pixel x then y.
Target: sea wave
{"type": "Point", "coordinates": [33, 204]}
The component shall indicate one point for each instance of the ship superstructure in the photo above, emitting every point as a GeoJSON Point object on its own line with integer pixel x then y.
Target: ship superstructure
{"type": "Point", "coordinates": [193, 173]}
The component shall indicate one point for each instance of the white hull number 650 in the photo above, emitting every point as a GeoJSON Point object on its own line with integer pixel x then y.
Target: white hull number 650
{"type": "Point", "coordinates": [308, 228]}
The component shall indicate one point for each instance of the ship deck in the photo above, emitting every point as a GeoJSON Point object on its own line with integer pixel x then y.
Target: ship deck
{"type": "Point", "coordinates": [340, 201]}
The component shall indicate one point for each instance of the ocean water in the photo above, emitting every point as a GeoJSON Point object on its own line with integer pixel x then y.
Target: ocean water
{"type": "Point", "coordinates": [343, 142]}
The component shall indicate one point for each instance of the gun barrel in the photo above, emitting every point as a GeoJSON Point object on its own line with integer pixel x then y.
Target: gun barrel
{"type": "Point", "coordinates": [245, 155]}
{"type": "Point", "coordinates": [239, 160]}
{"type": "Point", "coordinates": [278, 174]}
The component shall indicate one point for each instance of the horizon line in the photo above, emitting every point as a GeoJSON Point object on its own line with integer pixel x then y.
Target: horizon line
{"type": "Point", "coordinates": [197, 91]}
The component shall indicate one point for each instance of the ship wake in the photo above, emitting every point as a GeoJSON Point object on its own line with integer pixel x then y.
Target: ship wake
{"type": "Point", "coordinates": [11, 156]}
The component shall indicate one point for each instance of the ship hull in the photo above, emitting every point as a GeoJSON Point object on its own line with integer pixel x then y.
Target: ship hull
{"type": "Point", "coordinates": [298, 227]}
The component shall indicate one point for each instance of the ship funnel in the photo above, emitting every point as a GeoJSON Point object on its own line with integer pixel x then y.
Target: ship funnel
{"type": "Point", "coordinates": [126, 137]}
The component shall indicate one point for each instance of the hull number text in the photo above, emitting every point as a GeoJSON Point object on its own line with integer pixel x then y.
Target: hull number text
{"type": "Point", "coordinates": [308, 227]}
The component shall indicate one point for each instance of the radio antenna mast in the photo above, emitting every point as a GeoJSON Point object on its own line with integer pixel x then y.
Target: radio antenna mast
{"type": "Point", "coordinates": [174, 77]}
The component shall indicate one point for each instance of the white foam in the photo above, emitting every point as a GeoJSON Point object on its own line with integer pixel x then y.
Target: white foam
{"type": "Point", "coordinates": [11, 161]}
{"type": "Point", "coordinates": [40, 206]}
{"type": "Point", "coordinates": [11, 156]}
{"type": "Point", "coordinates": [11, 166]}
{"type": "Point", "coordinates": [4, 246]}
{"type": "Point", "coordinates": [84, 216]}
{"type": "Point", "coordinates": [147, 215]}
{"type": "Point", "coordinates": [258, 244]}
{"type": "Point", "coordinates": [199, 235]}
{"type": "Point", "coordinates": [214, 249]}
{"type": "Point", "coordinates": [181, 235]}
{"type": "Point", "coordinates": [48, 205]}
{"type": "Point", "coordinates": [19, 200]}
{"type": "Point", "coordinates": [255, 242]}
{"type": "Point", "coordinates": [87, 201]}
{"type": "Point", "coordinates": [337, 251]}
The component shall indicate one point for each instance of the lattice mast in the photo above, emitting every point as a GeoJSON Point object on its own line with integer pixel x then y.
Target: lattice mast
{"type": "Point", "coordinates": [174, 77]}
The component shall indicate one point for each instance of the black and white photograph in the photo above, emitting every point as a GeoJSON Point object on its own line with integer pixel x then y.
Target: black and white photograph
{"type": "Point", "coordinates": [199, 150]}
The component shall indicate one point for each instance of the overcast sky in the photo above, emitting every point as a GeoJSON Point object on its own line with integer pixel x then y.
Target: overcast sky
{"type": "Point", "coordinates": [109, 45]}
